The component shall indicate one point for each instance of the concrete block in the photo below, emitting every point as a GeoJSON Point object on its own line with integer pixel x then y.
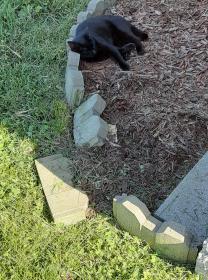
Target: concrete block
{"type": "Point", "coordinates": [96, 7]}
{"type": "Point", "coordinates": [192, 254]}
{"type": "Point", "coordinates": [188, 203]}
{"type": "Point", "coordinates": [74, 87]}
{"type": "Point", "coordinates": [92, 132]}
{"type": "Point", "coordinates": [130, 213]}
{"type": "Point", "coordinates": [73, 60]}
{"type": "Point", "coordinates": [109, 3]}
{"type": "Point", "coordinates": [149, 229]}
{"type": "Point", "coordinates": [67, 203]}
{"type": "Point", "coordinates": [202, 262]}
{"type": "Point", "coordinates": [82, 16]}
{"type": "Point", "coordinates": [72, 32]}
{"type": "Point", "coordinates": [173, 242]}
{"type": "Point", "coordinates": [94, 105]}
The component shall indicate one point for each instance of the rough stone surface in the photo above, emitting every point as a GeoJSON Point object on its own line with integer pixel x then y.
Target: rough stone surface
{"type": "Point", "coordinates": [202, 262]}
{"type": "Point", "coordinates": [74, 87]}
{"type": "Point", "coordinates": [192, 254]}
{"type": "Point", "coordinates": [72, 32]}
{"type": "Point", "coordinates": [149, 229]}
{"type": "Point", "coordinates": [109, 3]}
{"type": "Point", "coordinates": [96, 7]}
{"type": "Point", "coordinates": [130, 213]}
{"type": "Point", "coordinates": [82, 16]}
{"type": "Point", "coordinates": [73, 60]}
{"type": "Point", "coordinates": [173, 242]}
{"type": "Point", "coordinates": [67, 204]}
{"type": "Point", "coordinates": [92, 132]}
{"type": "Point", "coordinates": [94, 105]}
{"type": "Point", "coordinates": [188, 203]}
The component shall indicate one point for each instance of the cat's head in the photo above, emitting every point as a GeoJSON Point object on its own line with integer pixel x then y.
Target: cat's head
{"type": "Point", "coordinates": [85, 46]}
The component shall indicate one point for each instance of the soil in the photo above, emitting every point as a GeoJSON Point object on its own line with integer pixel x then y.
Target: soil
{"type": "Point", "coordinates": [160, 107]}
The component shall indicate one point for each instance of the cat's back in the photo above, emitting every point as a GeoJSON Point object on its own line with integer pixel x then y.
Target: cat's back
{"type": "Point", "coordinates": [100, 22]}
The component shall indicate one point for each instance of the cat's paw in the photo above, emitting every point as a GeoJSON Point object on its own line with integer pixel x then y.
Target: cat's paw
{"type": "Point", "coordinates": [126, 56]}
{"type": "Point", "coordinates": [129, 47]}
{"type": "Point", "coordinates": [125, 51]}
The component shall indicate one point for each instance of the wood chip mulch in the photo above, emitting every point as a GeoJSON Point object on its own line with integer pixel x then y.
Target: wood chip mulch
{"type": "Point", "coordinates": [160, 107]}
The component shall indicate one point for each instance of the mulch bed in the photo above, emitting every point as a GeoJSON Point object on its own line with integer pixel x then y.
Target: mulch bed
{"type": "Point", "coordinates": [160, 107]}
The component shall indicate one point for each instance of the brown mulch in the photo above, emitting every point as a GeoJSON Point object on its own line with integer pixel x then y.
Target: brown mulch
{"type": "Point", "coordinates": [160, 107]}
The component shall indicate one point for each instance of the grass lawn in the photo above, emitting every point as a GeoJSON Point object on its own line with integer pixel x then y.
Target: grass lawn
{"type": "Point", "coordinates": [33, 117]}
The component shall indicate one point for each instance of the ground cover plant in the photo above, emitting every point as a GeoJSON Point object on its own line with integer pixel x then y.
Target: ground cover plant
{"type": "Point", "coordinates": [35, 122]}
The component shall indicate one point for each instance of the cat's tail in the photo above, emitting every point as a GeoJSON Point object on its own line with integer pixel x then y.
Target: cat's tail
{"type": "Point", "coordinates": [142, 35]}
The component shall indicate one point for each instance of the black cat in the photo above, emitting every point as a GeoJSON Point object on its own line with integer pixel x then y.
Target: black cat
{"type": "Point", "coordinates": [101, 37]}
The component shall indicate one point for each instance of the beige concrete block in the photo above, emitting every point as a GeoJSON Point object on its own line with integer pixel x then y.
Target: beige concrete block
{"type": "Point", "coordinates": [71, 218]}
{"type": "Point", "coordinates": [149, 229]}
{"type": "Point", "coordinates": [62, 197]}
{"type": "Point", "coordinates": [173, 241]}
{"type": "Point", "coordinates": [192, 255]}
{"type": "Point", "coordinates": [130, 213]}
{"type": "Point", "coordinates": [63, 202]}
{"type": "Point", "coordinates": [55, 174]}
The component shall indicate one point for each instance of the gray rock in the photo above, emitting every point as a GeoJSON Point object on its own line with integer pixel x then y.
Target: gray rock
{"type": "Point", "coordinates": [109, 3]}
{"type": "Point", "coordinates": [94, 105]}
{"type": "Point", "coordinates": [92, 132]}
{"type": "Point", "coordinates": [74, 87]}
{"type": "Point", "coordinates": [82, 16]}
{"type": "Point", "coordinates": [96, 7]}
{"type": "Point", "coordinates": [202, 262]}
{"type": "Point", "coordinates": [73, 60]}
{"type": "Point", "coordinates": [188, 203]}
{"type": "Point", "coordinates": [72, 32]}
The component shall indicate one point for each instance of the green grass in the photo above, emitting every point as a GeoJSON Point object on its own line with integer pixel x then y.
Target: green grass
{"type": "Point", "coordinates": [33, 115]}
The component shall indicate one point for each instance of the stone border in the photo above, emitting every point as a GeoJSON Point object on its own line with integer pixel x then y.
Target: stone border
{"type": "Point", "coordinates": [169, 239]}
{"type": "Point", "coordinates": [74, 82]}
{"type": "Point", "coordinates": [90, 130]}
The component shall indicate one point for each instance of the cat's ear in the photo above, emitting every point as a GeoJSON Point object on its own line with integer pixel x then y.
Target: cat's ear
{"type": "Point", "coordinates": [74, 46]}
